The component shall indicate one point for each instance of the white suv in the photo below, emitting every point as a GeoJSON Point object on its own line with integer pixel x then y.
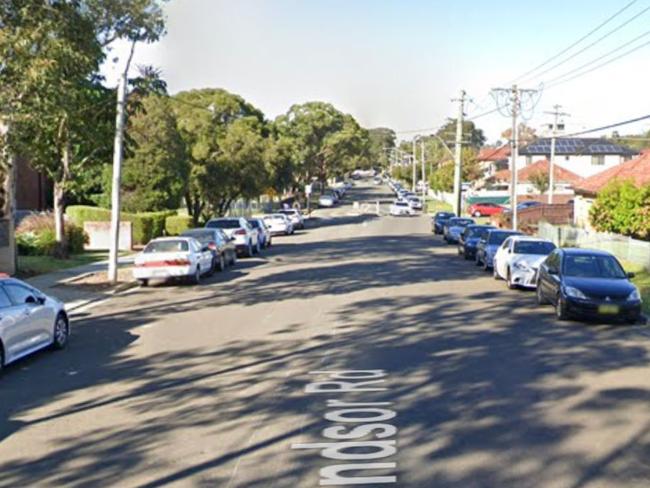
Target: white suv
{"type": "Point", "coordinates": [246, 237]}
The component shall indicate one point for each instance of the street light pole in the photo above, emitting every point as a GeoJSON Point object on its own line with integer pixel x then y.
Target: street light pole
{"type": "Point", "coordinates": [458, 154]}
{"type": "Point", "coordinates": [424, 180]}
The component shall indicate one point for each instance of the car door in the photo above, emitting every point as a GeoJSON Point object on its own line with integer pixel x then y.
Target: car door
{"type": "Point", "coordinates": [547, 276]}
{"type": "Point", "coordinates": [14, 327]}
{"type": "Point", "coordinates": [34, 321]}
{"type": "Point", "coordinates": [203, 254]}
{"type": "Point", "coordinates": [500, 257]}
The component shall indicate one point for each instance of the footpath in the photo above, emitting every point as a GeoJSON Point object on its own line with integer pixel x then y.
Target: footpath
{"type": "Point", "coordinates": [80, 286]}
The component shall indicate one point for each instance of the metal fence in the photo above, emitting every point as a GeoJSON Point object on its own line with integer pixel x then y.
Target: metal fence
{"type": "Point", "coordinates": [626, 248]}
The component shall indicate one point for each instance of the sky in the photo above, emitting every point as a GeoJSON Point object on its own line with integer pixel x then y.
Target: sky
{"type": "Point", "coordinates": [399, 63]}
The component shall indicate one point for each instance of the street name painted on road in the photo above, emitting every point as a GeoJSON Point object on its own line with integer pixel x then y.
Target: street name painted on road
{"type": "Point", "coordinates": [355, 420]}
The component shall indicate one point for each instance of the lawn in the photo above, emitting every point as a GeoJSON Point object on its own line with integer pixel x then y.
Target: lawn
{"type": "Point", "coordinates": [35, 265]}
{"type": "Point", "coordinates": [434, 206]}
{"type": "Point", "coordinates": [642, 281]}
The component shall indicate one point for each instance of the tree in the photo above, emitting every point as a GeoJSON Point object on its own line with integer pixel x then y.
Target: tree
{"type": "Point", "coordinates": [382, 140]}
{"type": "Point", "coordinates": [154, 176]}
{"type": "Point", "coordinates": [280, 157]}
{"type": "Point", "coordinates": [472, 135]}
{"type": "Point", "coordinates": [204, 119]}
{"type": "Point", "coordinates": [526, 134]}
{"type": "Point", "coordinates": [442, 179]}
{"type": "Point", "coordinates": [623, 208]}
{"type": "Point", "coordinates": [539, 180]}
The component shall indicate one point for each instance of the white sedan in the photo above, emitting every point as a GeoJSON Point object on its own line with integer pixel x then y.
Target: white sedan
{"type": "Point", "coordinates": [326, 200]}
{"type": "Point", "coordinates": [173, 257]}
{"type": "Point", "coordinates": [415, 203]}
{"type": "Point", "coordinates": [278, 224]}
{"type": "Point", "coordinates": [518, 259]}
{"type": "Point", "coordinates": [401, 207]}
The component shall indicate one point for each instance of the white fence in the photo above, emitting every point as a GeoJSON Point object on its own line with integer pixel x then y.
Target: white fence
{"type": "Point", "coordinates": [632, 250]}
{"type": "Point", "coordinates": [442, 196]}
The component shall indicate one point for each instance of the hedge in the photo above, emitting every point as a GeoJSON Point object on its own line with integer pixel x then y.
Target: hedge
{"type": "Point", "coordinates": [145, 225]}
{"type": "Point", "coordinates": [176, 224]}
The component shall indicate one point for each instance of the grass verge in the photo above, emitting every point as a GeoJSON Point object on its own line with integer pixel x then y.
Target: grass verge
{"type": "Point", "coordinates": [642, 282]}
{"type": "Point", "coordinates": [34, 265]}
{"type": "Point", "coordinates": [434, 206]}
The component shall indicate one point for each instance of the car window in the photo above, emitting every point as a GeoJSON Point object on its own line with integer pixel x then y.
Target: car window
{"type": "Point", "coordinates": [497, 238]}
{"type": "Point", "coordinates": [200, 235]}
{"type": "Point", "coordinates": [592, 266]}
{"type": "Point", "coordinates": [506, 244]}
{"type": "Point", "coordinates": [533, 247]}
{"type": "Point", "coordinates": [224, 224]}
{"type": "Point", "coordinates": [17, 293]}
{"type": "Point", "coordinates": [553, 261]}
{"type": "Point", "coordinates": [166, 246]}
{"type": "Point", "coordinates": [4, 298]}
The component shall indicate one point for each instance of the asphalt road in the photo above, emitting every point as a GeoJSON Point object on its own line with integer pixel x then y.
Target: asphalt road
{"type": "Point", "coordinates": [458, 382]}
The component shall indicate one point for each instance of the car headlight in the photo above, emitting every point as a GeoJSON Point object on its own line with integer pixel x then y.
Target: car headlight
{"type": "Point", "coordinates": [635, 296]}
{"type": "Point", "coordinates": [574, 292]}
{"type": "Point", "coordinates": [521, 266]}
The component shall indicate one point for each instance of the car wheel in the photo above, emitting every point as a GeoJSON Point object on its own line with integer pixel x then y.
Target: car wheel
{"type": "Point", "coordinates": [213, 266]}
{"type": "Point", "coordinates": [222, 263]}
{"type": "Point", "coordinates": [460, 251]}
{"type": "Point", "coordinates": [466, 256]}
{"type": "Point", "coordinates": [61, 332]}
{"type": "Point", "coordinates": [560, 309]}
{"type": "Point", "coordinates": [511, 285]}
{"type": "Point", "coordinates": [541, 300]}
{"type": "Point", "coordinates": [144, 282]}
{"type": "Point", "coordinates": [195, 279]}
{"type": "Point", "coordinates": [249, 250]}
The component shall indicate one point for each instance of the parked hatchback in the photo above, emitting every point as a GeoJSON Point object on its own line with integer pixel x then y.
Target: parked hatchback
{"type": "Point", "coordinates": [263, 230]}
{"type": "Point", "coordinates": [588, 283]}
{"type": "Point", "coordinates": [454, 228]}
{"type": "Point", "coordinates": [295, 216]}
{"type": "Point", "coordinates": [29, 321]}
{"type": "Point", "coordinates": [469, 239]}
{"type": "Point", "coordinates": [481, 209]}
{"type": "Point", "coordinates": [439, 221]}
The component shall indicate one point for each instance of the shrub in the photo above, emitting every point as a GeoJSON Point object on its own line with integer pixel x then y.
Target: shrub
{"type": "Point", "coordinates": [176, 224]}
{"type": "Point", "coordinates": [36, 236]}
{"type": "Point", "coordinates": [622, 208]}
{"type": "Point", "coordinates": [145, 225]}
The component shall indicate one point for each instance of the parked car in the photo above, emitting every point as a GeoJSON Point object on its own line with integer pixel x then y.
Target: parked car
{"type": "Point", "coordinates": [518, 258]}
{"type": "Point", "coordinates": [29, 321]}
{"type": "Point", "coordinates": [246, 237]}
{"type": "Point", "coordinates": [415, 203]}
{"type": "Point", "coordinates": [439, 221]}
{"type": "Point", "coordinates": [469, 239]}
{"type": "Point", "coordinates": [454, 228]}
{"type": "Point", "coordinates": [587, 283]}
{"type": "Point", "coordinates": [377, 180]}
{"type": "Point", "coordinates": [222, 247]}
{"type": "Point", "coordinates": [327, 200]}
{"type": "Point", "coordinates": [400, 207]}
{"type": "Point", "coordinates": [173, 258]}
{"type": "Point", "coordinates": [524, 205]}
{"type": "Point", "coordinates": [262, 230]}
{"type": "Point", "coordinates": [278, 224]}
{"type": "Point", "coordinates": [485, 209]}
{"type": "Point", "coordinates": [295, 216]}
{"type": "Point", "coordinates": [489, 243]}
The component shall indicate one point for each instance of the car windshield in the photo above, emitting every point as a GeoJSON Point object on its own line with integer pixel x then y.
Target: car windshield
{"type": "Point", "coordinates": [288, 212]}
{"type": "Point", "coordinates": [401, 204]}
{"type": "Point", "coordinates": [200, 235]}
{"type": "Point", "coordinates": [166, 246]}
{"type": "Point", "coordinates": [593, 266]}
{"type": "Point", "coordinates": [224, 224]}
{"type": "Point", "coordinates": [497, 238]}
{"type": "Point", "coordinates": [444, 215]}
{"type": "Point", "coordinates": [475, 231]}
{"type": "Point", "coordinates": [460, 222]}
{"type": "Point", "coordinates": [534, 247]}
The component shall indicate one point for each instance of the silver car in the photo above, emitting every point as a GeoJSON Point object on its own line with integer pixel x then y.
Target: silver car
{"type": "Point", "coordinates": [29, 321]}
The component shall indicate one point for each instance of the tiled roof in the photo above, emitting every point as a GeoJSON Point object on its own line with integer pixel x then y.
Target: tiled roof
{"type": "Point", "coordinates": [636, 170]}
{"type": "Point", "coordinates": [577, 146]}
{"type": "Point", "coordinates": [561, 174]}
{"type": "Point", "coordinates": [494, 153]}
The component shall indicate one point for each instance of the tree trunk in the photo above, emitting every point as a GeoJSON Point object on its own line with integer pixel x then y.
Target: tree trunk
{"type": "Point", "coordinates": [59, 202]}
{"type": "Point", "coordinates": [7, 202]}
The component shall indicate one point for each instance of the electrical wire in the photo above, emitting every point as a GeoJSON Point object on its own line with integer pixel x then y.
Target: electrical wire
{"type": "Point", "coordinates": [565, 50]}
{"type": "Point", "coordinates": [605, 127]}
{"type": "Point", "coordinates": [588, 46]}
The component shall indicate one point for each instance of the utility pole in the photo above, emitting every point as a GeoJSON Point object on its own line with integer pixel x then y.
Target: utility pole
{"type": "Point", "coordinates": [424, 179]}
{"type": "Point", "coordinates": [458, 162]}
{"type": "Point", "coordinates": [117, 171]}
{"type": "Point", "coordinates": [551, 172]}
{"type": "Point", "coordinates": [414, 162]}
{"type": "Point", "coordinates": [515, 94]}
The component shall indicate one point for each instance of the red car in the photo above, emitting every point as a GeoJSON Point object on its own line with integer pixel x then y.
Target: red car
{"type": "Point", "coordinates": [485, 208]}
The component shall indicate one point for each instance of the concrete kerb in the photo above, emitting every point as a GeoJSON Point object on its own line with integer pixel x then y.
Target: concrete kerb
{"type": "Point", "coordinates": [121, 288]}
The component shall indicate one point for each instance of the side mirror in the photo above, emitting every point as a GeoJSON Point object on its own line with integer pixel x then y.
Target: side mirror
{"type": "Point", "coordinates": [552, 271]}
{"type": "Point", "coordinates": [631, 275]}
{"type": "Point", "coordinates": [31, 299]}
{"type": "Point", "coordinates": [205, 248]}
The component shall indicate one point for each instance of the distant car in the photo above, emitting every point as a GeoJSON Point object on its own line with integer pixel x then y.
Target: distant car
{"type": "Point", "coordinates": [29, 321]}
{"type": "Point", "coordinates": [295, 216]}
{"type": "Point", "coordinates": [399, 208]}
{"type": "Point", "coordinates": [525, 205]}
{"type": "Point", "coordinates": [518, 258]}
{"type": "Point", "coordinates": [278, 224]}
{"type": "Point", "coordinates": [489, 243]}
{"type": "Point", "coordinates": [377, 180]}
{"type": "Point", "coordinates": [246, 236]}
{"type": "Point", "coordinates": [454, 228]}
{"type": "Point", "coordinates": [222, 247]}
{"type": "Point", "coordinates": [469, 239]}
{"type": "Point", "coordinates": [439, 221]}
{"type": "Point", "coordinates": [327, 200]}
{"type": "Point", "coordinates": [485, 209]}
{"type": "Point", "coordinates": [415, 203]}
{"type": "Point", "coordinates": [173, 257]}
{"type": "Point", "coordinates": [263, 231]}
{"type": "Point", "coordinates": [587, 283]}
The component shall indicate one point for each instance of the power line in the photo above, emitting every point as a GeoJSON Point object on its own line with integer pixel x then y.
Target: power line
{"type": "Point", "coordinates": [588, 46]}
{"type": "Point", "coordinates": [605, 127]}
{"type": "Point", "coordinates": [566, 77]}
{"type": "Point", "coordinates": [600, 26]}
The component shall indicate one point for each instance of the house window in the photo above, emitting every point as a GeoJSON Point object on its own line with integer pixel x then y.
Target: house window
{"type": "Point", "coordinates": [529, 160]}
{"type": "Point", "coordinates": [597, 160]}
{"type": "Point", "coordinates": [566, 158]}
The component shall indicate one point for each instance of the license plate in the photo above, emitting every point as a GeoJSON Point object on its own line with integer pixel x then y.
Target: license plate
{"type": "Point", "coordinates": [608, 309]}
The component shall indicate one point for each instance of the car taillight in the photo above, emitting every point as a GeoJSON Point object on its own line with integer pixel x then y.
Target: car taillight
{"type": "Point", "coordinates": [240, 232]}
{"type": "Point", "coordinates": [177, 262]}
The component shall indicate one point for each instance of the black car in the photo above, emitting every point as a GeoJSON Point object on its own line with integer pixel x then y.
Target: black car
{"type": "Point", "coordinates": [587, 283]}
{"type": "Point", "coordinates": [222, 247]}
{"type": "Point", "coordinates": [439, 221]}
{"type": "Point", "coordinates": [469, 239]}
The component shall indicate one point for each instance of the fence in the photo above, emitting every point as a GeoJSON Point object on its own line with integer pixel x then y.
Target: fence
{"type": "Point", "coordinates": [557, 214]}
{"type": "Point", "coordinates": [626, 248]}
